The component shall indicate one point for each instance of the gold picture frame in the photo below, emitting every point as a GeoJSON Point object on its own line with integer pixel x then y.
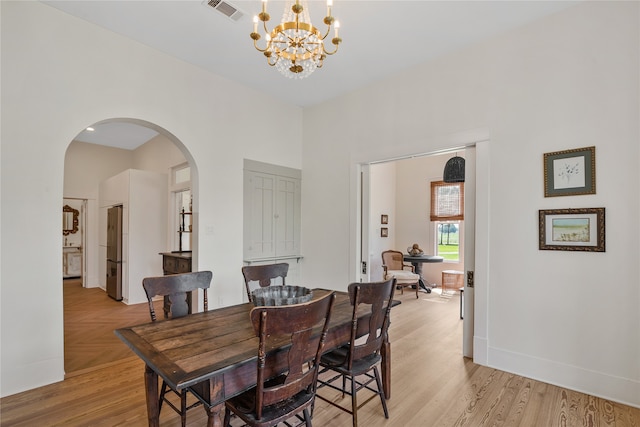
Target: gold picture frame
{"type": "Point", "coordinates": [580, 229]}
{"type": "Point", "coordinates": [570, 172]}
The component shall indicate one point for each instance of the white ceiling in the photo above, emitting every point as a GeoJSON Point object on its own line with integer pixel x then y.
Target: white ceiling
{"type": "Point", "coordinates": [117, 134]}
{"type": "Point", "coordinates": [379, 37]}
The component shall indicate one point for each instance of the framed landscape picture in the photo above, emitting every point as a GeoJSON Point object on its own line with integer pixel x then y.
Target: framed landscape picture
{"type": "Point", "coordinates": [570, 172]}
{"type": "Point", "coordinates": [572, 229]}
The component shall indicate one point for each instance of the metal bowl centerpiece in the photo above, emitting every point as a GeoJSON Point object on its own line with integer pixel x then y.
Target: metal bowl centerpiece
{"type": "Point", "coordinates": [281, 295]}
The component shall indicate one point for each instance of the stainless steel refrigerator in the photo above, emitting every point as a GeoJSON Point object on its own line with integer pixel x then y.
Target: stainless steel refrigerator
{"type": "Point", "coordinates": [114, 252]}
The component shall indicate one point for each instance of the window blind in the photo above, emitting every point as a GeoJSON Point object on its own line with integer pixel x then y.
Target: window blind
{"type": "Point", "coordinates": [447, 201]}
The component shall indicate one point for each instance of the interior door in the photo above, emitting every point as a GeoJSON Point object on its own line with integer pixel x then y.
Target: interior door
{"type": "Point", "coordinates": [365, 255]}
{"type": "Point", "coordinates": [469, 249]}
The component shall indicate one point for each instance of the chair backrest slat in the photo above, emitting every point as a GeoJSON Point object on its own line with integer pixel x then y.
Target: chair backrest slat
{"type": "Point", "coordinates": [289, 327]}
{"type": "Point", "coordinates": [263, 274]}
{"type": "Point", "coordinates": [175, 289]}
{"type": "Point", "coordinates": [377, 297]}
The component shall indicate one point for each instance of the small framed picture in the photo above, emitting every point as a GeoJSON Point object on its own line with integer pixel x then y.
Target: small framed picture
{"type": "Point", "coordinates": [572, 229]}
{"type": "Point", "coordinates": [570, 172]}
{"type": "Point", "coordinates": [384, 232]}
{"type": "Point", "coordinates": [384, 219]}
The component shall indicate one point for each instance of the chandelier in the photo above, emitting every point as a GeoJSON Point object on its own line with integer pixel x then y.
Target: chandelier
{"type": "Point", "coordinates": [295, 47]}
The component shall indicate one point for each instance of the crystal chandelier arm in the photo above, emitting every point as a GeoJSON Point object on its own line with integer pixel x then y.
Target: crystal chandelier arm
{"type": "Point", "coordinates": [328, 20]}
{"type": "Point", "coordinates": [335, 40]}
{"type": "Point", "coordinates": [255, 44]}
{"type": "Point", "coordinates": [332, 52]}
{"type": "Point", "coordinates": [255, 36]}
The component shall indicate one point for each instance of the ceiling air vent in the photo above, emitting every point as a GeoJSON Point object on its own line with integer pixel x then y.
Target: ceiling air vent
{"type": "Point", "coordinates": [226, 8]}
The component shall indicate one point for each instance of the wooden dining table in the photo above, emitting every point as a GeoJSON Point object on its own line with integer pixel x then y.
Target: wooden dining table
{"type": "Point", "coordinates": [214, 353]}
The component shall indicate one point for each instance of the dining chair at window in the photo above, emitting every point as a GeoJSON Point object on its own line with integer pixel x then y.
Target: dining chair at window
{"type": "Point", "coordinates": [176, 290]}
{"type": "Point", "coordinates": [300, 330]}
{"type": "Point", "coordinates": [262, 275]}
{"type": "Point", "coordinates": [358, 360]}
{"type": "Point", "coordinates": [393, 265]}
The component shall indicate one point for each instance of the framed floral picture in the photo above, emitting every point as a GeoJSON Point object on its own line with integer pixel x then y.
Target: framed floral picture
{"type": "Point", "coordinates": [570, 172]}
{"type": "Point", "coordinates": [384, 232]}
{"type": "Point", "coordinates": [572, 229]}
{"type": "Point", "coordinates": [384, 219]}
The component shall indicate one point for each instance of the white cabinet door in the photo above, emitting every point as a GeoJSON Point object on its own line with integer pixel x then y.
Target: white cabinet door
{"type": "Point", "coordinates": [259, 215]}
{"type": "Point", "coordinates": [271, 215]}
{"type": "Point", "coordinates": [287, 216]}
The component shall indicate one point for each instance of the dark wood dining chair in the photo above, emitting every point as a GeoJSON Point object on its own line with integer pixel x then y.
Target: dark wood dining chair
{"type": "Point", "coordinates": [359, 358]}
{"type": "Point", "coordinates": [176, 290]}
{"type": "Point", "coordinates": [393, 265]}
{"type": "Point", "coordinates": [278, 396]}
{"type": "Point", "coordinates": [263, 275]}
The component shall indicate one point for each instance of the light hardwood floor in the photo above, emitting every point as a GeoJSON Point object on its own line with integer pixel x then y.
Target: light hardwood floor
{"type": "Point", "coordinates": [90, 317]}
{"type": "Point", "coordinates": [432, 384]}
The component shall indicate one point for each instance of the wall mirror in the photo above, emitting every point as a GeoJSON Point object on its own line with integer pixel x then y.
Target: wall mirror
{"type": "Point", "coordinates": [69, 220]}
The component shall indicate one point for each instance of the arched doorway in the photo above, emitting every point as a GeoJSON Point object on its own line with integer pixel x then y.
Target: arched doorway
{"type": "Point", "coordinates": [114, 148]}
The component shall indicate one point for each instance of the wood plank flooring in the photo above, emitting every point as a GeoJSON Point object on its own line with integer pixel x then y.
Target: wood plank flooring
{"type": "Point", "coordinates": [432, 384]}
{"type": "Point", "coordinates": [90, 317]}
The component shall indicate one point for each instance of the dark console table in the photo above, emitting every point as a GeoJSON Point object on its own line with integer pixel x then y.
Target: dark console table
{"type": "Point", "coordinates": [176, 263]}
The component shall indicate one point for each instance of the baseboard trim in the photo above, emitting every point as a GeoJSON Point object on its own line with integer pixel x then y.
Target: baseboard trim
{"type": "Point", "coordinates": [599, 384]}
{"type": "Point", "coordinates": [480, 351]}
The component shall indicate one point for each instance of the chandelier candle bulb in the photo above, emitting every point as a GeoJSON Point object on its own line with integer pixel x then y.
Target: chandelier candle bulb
{"type": "Point", "coordinates": [337, 25]}
{"type": "Point", "coordinates": [264, 6]}
{"type": "Point", "coordinates": [255, 24]}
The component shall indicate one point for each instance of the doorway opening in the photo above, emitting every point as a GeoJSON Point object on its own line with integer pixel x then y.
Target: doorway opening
{"type": "Point", "coordinates": [116, 148]}
{"type": "Point", "coordinates": [399, 204]}
{"type": "Point", "coordinates": [74, 239]}
{"type": "Point", "coordinates": [410, 214]}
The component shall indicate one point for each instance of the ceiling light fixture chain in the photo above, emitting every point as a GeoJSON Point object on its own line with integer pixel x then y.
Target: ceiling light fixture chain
{"type": "Point", "coordinates": [295, 47]}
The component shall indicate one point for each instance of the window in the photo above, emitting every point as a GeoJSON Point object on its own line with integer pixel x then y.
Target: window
{"type": "Point", "coordinates": [448, 240]}
{"type": "Point", "coordinates": [180, 212]}
{"type": "Point", "coordinates": [447, 213]}
{"type": "Point", "coordinates": [181, 174]}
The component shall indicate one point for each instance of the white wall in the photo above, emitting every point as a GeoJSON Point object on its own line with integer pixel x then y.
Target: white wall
{"type": "Point", "coordinates": [382, 200]}
{"type": "Point", "coordinates": [61, 74]}
{"type": "Point", "coordinates": [158, 154]}
{"type": "Point", "coordinates": [567, 81]}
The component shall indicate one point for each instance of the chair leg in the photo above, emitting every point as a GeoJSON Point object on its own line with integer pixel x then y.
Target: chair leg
{"type": "Point", "coordinates": [354, 401]}
{"type": "Point", "coordinates": [227, 417]}
{"type": "Point", "coordinates": [344, 384]}
{"type": "Point", "coordinates": [381, 392]}
{"type": "Point", "coordinates": [183, 408]}
{"type": "Point", "coordinates": [417, 289]}
{"type": "Point", "coordinates": [163, 391]}
{"type": "Point", "coordinates": [307, 418]}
